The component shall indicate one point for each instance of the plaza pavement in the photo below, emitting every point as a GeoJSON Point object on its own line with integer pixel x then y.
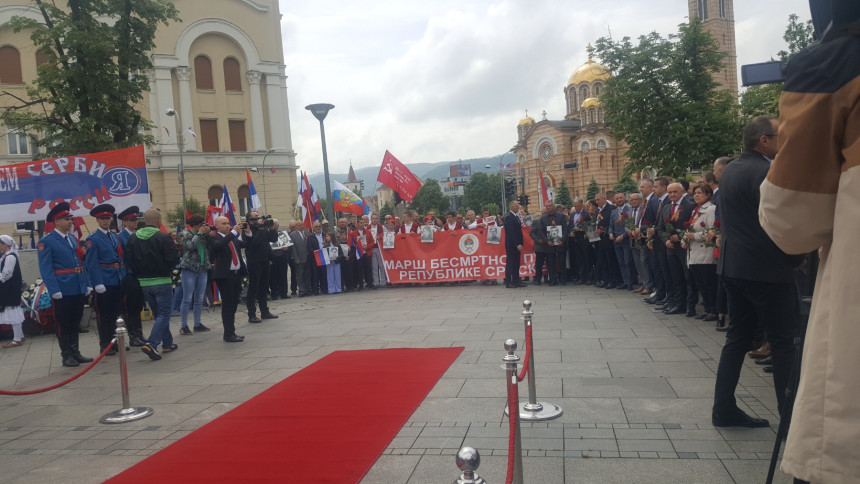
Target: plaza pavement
{"type": "Point", "coordinates": [635, 385]}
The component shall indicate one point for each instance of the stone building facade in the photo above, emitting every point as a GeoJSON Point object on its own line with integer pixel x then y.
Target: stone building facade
{"type": "Point", "coordinates": [221, 68]}
{"type": "Point", "coordinates": [718, 17]}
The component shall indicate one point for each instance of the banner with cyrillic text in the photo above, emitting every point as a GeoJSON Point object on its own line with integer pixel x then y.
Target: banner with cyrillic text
{"type": "Point", "coordinates": [457, 255]}
{"type": "Point", "coordinates": [29, 190]}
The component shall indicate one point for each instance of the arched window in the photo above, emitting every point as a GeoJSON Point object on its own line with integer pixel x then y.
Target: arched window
{"type": "Point", "coordinates": [583, 94]}
{"type": "Point", "coordinates": [592, 115]}
{"type": "Point", "coordinates": [10, 65]}
{"type": "Point", "coordinates": [600, 115]}
{"type": "Point", "coordinates": [584, 146]}
{"type": "Point", "coordinates": [43, 56]}
{"type": "Point", "coordinates": [214, 194]}
{"type": "Point", "coordinates": [585, 162]}
{"type": "Point", "coordinates": [597, 90]}
{"type": "Point", "coordinates": [601, 161]}
{"type": "Point", "coordinates": [203, 72]}
{"type": "Point", "coordinates": [232, 78]}
{"type": "Point", "coordinates": [244, 196]}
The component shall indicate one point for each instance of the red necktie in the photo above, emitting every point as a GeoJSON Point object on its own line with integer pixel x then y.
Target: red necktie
{"type": "Point", "coordinates": [233, 253]}
{"type": "Point", "coordinates": [674, 206]}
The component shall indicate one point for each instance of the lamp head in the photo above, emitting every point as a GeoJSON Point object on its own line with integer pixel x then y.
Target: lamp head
{"type": "Point", "coordinates": [171, 112]}
{"type": "Point", "coordinates": [319, 110]}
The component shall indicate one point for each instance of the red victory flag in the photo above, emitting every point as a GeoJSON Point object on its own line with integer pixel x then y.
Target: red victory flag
{"type": "Point", "coordinates": [396, 176]}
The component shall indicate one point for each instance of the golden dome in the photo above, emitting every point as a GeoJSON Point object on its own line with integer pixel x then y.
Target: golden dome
{"type": "Point", "coordinates": [591, 102]}
{"type": "Point", "coordinates": [589, 72]}
{"type": "Point", "coordinates": [527, 119]}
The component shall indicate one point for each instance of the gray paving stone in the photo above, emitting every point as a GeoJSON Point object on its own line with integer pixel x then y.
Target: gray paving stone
{"type": "Point", "coordinates": [641, 434]}
{"type": "Point", "coordinates": [645, 445]}
{"type": "Point", "coordinates": [617, 387]}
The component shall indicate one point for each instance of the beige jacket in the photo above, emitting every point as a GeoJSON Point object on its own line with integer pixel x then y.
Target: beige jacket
{"type": "Point", "coordinates": [698, 252]}
{"type": "Point", "coordinates": [811, 200]}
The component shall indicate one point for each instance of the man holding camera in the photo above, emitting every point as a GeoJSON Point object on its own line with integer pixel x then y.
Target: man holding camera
{"type": "Point", "coordinates": [258, 233]}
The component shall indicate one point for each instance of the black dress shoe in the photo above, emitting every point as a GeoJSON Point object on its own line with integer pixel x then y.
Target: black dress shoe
{"type": "Point", "coordinates": [764, 361]}
{"type": "Point", "coordinates": [254, 319]}
{"type": "Point", "coordinates": [710, 317]}
{"type": "Point", "coordinates": [690, 314]}
{"type": "Point", "coordinates": [768, 369]}
{"type": "Point", "coordinates": [673, 310]}
{"type": "Point", "coordinates": [537, 283]}
{"type": "Point", "coordinates": [722, 329]}
{"type": "Point", "coordinates": [662, 307]}
{"type": "Point", "coordinates": [520, 284]}
{"type": "Point", "coordinates": [738, 418]}
{"type": "Point", "coordinates": [623, 286]}
{"type": "Point", "coordinates": [651, 300]}
{"type": "Point", "coordinates": [701, 316]}
{"type": "Point", "coordinates": [136, 341]}
{"type": "Point", "coordinates": [510, 286]}
{"type": "Point", "coordinates": [662, 301]}
{"type": "Point", "coordinates": [269, 316]}
{"type": "Point", "coordinates": [81, 358]}
{"type": "Point", "coordinates": [600, 284]}
{"type": "Point", "coordinates": [70, 361]}
{"type": "Point", "coordinates": [82, 329]}
{"type": "Point", "coordinates": [234, 339]}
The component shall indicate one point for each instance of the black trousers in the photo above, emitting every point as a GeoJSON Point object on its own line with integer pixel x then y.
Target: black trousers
{"type": "Point", "coordinates": [258, 282]}
{"type": "Point", "coordinates": [68, 311]}
{"type": "Point", "coordinates": [294, 282]}
{"type": "Point", "coordinates": [347, 272]}
{"type": "Point", "coordinates": [278, 276]}
{"type": "Point", "coordinates": [706, 282]}
{"type": "Point", "coordinates": [776, 307]}
{"type": "Point", "coordinates": [363, 271]}
{"type": "Point", "coordinates": [677, 277]}
{"type": "Point", "coordinates": [551, 264]}
{"type": "Point", "coordinates": [230, 288]}
{"type": "Point", "coordinates": [512, 265]}
{"type": "Point", "coordinates": [319, 280]}
{"type": "Point", "coordinates": [661, 269]}
{"type": "Point", "coordinates": [607, 263]}
{"type": "Point", "coordinates": [108, 306]}
{"type": "Point", "coordinates": [584, 261]}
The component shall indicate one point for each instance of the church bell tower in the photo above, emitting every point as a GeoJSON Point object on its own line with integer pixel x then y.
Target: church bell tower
{"type": "Point", "coordinates": [718, 17]}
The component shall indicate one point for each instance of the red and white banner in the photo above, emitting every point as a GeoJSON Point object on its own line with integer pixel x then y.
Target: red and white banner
{"type": "Point", "coordinates": [29, 190]}
{"type": "Point", "coordinates": [459, 255]}
{"type": "Point", "coordinates": [396, 176]}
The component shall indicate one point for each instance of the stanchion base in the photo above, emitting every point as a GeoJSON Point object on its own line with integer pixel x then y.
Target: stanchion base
{"type": "Point", "coordinates": [126, 415]}
{"type": "Point", "coordinates": [540, 411]}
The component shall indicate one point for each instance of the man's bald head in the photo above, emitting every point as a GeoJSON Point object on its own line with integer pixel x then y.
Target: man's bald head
{"type": "Point", "coordinates": [152, 217]}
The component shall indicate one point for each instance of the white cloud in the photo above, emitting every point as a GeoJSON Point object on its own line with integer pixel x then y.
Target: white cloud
{"type": "Point", "coordinates": [449, 79]}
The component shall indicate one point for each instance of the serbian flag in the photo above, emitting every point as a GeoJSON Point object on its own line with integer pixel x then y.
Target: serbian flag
{"type": "Point", "coordinates": [211, 213]}
{"type": "Point", "coordinates": [366, 206]}
{"type": "Point", "coordinates": [396, 176]}
{"type": "Point", "coordinates": [255, 199]}
{"type": "Point", "coordinates": [543, 191]}
{"type": "Point", "coordinates": [321, 257]}
{"type": "Point", "coordinates": [345, 200]}
{"type": "Point", "coordinates": [311, 208]}
{"type": "Point", "coordinates": [227, 208]}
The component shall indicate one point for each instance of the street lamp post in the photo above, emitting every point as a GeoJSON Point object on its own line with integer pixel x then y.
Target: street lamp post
{"type": "Point", "coordinates": [180, 142]}
{"type": "Point", "coordinates": [320, 111]}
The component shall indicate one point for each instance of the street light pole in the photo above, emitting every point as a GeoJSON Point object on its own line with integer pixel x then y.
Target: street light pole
{"type": "Point", "coordinates": [320, 111]}
{"type": "Point", "coordinates": [180, 140]}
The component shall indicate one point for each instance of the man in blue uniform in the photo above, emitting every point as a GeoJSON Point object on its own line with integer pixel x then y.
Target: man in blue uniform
{"type": "Point", "coordinates": [132, 295]}
{"type": "Point", "coordinates": [104, 266]}
{"type": "Point", "coordinates": [60, 257]}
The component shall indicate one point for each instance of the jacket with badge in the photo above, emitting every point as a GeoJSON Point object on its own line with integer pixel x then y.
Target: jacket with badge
{"type": "Point", "coordinates": [56, 254]}
{"type": "Point", "coordinates": [102, 260]}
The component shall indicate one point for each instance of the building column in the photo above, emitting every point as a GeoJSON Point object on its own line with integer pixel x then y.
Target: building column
{"type": "Point", "coordinates": [279, 136]}
{"type": "Point", "coordinates": [164, 88]}
{"type": "Point", "coordinates": [257, 124]}
{"type": "Point", "coordinates": [157, 132]}
{"type": "Point", "coordinates": [186, 113]}
{"type": "Point", "coordinates": [288, 137]}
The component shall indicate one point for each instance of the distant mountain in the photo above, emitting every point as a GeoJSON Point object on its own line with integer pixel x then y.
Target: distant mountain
{"type": "Point", "coordinates": [437, 171]}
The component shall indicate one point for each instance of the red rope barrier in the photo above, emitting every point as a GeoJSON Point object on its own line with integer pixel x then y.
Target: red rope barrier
{"type": "Point", "coordinates": [513, 416]}
{"type": "Point", "coordinates": [525, 371]}
{"type": "Point", "coordinates": [65, 382]}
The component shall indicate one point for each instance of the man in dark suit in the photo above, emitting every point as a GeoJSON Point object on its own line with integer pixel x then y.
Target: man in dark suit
{"type": "Point", "coordinates": [671, 226]}
{"type": "Point", "coordinates": [319, 281]}
{"type": "Point", "coordinates": [607, 263]}
{"type": "Point", "coordinates": [659, 263]}
{"type": "Point", "coordinates": [300, 258]}
{"type": "Point", "coordinates": [513, 246]}
{"type": "Point", "coordinates": [225, 247]}
{"type": "Point", "coordinates": [581, 255]}
{"type": "Point", "coordinates": [758, 276]}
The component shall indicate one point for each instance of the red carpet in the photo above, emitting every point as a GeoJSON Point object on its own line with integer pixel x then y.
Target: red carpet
{"type": "Point", "coordinates": [327, 423]}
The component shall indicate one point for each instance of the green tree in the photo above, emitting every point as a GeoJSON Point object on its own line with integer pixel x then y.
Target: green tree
{"type": "Point", "coordinates": [429, 197]}
{"type": "Point", "coordinates": [663, 101]}
{"type": "Point", "coordinates": [764, 100]}
{"type": "Point", "coordinates": [562, 195]}
{"type": "Point", "coordinates": [625, 185]}
{"type": "Point", "coordinates": [176, 216]}
{"type": "Point", "coordinates": [387, 209]}
{"type": "Point", "coordinates": [85, 97]}
{"type": "Point", "coordinates": [593, 189]}
{"type": "Point", "coordinates": [492, 208]}
{"type": "Point", "coordinates": [482, 189]}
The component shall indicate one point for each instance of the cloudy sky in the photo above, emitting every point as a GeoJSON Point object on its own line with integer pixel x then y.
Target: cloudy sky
{"type": "Point", "coordinates": [450, 79]}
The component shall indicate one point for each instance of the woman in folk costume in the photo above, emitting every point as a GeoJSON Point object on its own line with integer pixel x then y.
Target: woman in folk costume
{"type": "Point", "coordinates": [10, 290]}
{"type": "Point", "coordinates": [332, 268]}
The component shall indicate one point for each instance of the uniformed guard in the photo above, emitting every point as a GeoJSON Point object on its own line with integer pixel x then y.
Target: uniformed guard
{"type": "Point", "coordinates": [60, 263]}
{"type": "Point", "coordinates": [104, 266]}
{"type": "Point", "coordinates": [132, 295]}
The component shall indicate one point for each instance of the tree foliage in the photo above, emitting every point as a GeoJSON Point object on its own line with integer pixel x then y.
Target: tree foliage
{"type": "Point", "coordinates": [593, 189]}
{"type": "Point", "coordinates": [562, 195]}
{"type": "Point", "coordinates": [663, 101]}
{"type": "Point", "coordinates": [176, 217]}
{"type": "Point", "coordinates": [482, 188]}
{"type": "Point", "coordinates": [625, 185]}
{"type": "Point", "coordinates": [763, 100]}
{"type": "Point", "coordinates": [492, 208]}
{"type": "Point", "coordinates": [387, 209]}
{"type": "Point", "coordinates": [85, 97]}
{"type": "Point", "coordinates": [429, 197]}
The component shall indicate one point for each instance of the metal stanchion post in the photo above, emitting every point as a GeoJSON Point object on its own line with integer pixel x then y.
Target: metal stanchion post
{"type": "Point", "coordinates": [468, 460]}
{"type": "Point", "coordinates": [127, 413]}
{"type": "Point", "coordinates": [511, 360]}
{"type": "Point", "coordinates": [534, 410]}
